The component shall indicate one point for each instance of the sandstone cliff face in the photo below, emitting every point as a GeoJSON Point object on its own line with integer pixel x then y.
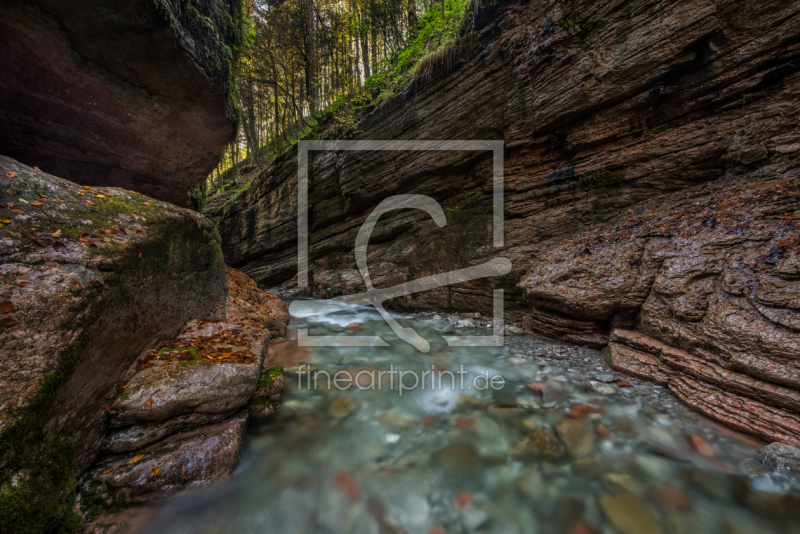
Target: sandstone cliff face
{"type": "Point", "coordinates": [124, 93]}
{"type": "Point", "coordinates": [610, 112]}
{"type": "Point", "coordinates": [89, 279]}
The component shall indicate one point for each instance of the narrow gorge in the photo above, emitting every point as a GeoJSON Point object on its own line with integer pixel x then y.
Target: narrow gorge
{"type": "Point", "coordinates": [167, 367]}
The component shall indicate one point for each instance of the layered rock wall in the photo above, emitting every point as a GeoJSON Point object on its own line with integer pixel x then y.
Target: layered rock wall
{"type": "Point", "coordinates": [651, 183]}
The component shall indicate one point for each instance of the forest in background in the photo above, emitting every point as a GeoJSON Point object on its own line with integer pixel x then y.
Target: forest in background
{"type": "Point", "coordinates": [311, 65]}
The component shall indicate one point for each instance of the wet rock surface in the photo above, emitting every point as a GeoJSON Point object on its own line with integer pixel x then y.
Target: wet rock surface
{"type": "Point", "coordinates": [219, 376]}
{"type": "Point", "coordinates": [179, 420]}
{"type": "Point", "coordinates": [136, 437]}
{"type": "Point", "coordinates": [184, 460]}
{"type": "Point", "coordinates": [89, 280]}
{"type": "Point", "coordinates": [701, 290]}
{"type": "Point", "coordinates": [465, 459]}
{"type": "Point", "coordinates": [131, 94]}
{"type": "Point", "coordinates": [635, 127]}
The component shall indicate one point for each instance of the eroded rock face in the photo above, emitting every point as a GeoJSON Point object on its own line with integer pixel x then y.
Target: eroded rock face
{"type": "Point", "coordinates": [248, 304]}
{"type": "Point", "coordinates": [197, 458]}
{"type": "Point", "coordinates": [89, 279]}
{"type": "Point", "coordinates": [703, 290]}
{"type": "Point", "coordinates": [626, 103]}
{"type": "Point", "coordinates": [118, 93]}
{"type": "Point", "coordinates": [178, 421]}
{"type": "Point", "coordinates": [219, 376]}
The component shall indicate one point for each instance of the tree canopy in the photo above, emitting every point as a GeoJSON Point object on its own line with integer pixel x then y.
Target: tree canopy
{"type": "Point", "coordinates": [304, 59]}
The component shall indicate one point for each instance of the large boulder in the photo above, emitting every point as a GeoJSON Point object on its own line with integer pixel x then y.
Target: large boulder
{"type": "Point", "coordinates": [130, 93]}
{"type": "Point", "coordinates": [212, 368]}
{"type": "Point", "coordinates": [89, 281]}
{"type": "Point", "coordinates": [702, 292]}
{"type": "Point", "coordinates": [179, 420]}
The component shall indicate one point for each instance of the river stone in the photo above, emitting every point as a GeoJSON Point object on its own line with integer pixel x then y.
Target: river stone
{"type": "Point", "coordinates": [458, 456]}
{"type": "Point", "coordinates": [629, 515]}
{"type": "Point", "coordinates": [196, 458]}
{"type": "Point", "coordinates": [618, 482]}
{"type": "Point", "coordinates": [539, 443]}
{"type": "Point", "coordinates": [268, 393]}
{"type": "Point", "coordinates": [591, 468]}
{"type": "Point", "coordinates": [576, 435]}
{"type": "Point", "coordinates": [341, 407]}
{"type": "Point", "coordinates": [177, 388]}
{"type": "Point", "coordinates": [779, 461]}
{"type": "Point", "coordinates": [136, 437]}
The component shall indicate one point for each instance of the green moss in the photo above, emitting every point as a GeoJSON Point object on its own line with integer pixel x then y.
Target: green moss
{"type": "Point", "coordinates": [602, 178]}
{"type": "Point", "coordinates": [94, 498]}
{"type": "Point", "coordinates": [190, 350]}
{"type": "Point", "coordinates": [264, 402]}
{"type": "Point", "coordinates": [269, 377]}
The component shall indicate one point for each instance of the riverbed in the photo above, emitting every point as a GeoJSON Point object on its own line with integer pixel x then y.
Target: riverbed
{"type": "Point", "coordinates": [529, 437]}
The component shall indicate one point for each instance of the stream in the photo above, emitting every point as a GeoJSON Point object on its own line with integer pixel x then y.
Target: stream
{"type": "Point", "coordinates": [470, 454]}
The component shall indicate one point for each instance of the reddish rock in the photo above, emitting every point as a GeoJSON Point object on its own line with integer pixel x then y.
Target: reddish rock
{"type": "Point", "coordinates": [674, 498]}
{"type": "Point", "coordinates": [700, 445]}
{"type": "Point", "coordinates": [463, 499]}
{"type": "Point", "coordinates": [249, 305]}
{"type": "Point", "coordinates": [464, 423]}
{"type": "Point", "coordinates": [603, 431]}
{"type": "Point", "coordinates": [580, 527]}
{"type": "Point", "coordinates": [579, 411]}
{"type": "Point", "coordinates": [537, 387]}
{"type": "Point", "coordinates": [345, 483]}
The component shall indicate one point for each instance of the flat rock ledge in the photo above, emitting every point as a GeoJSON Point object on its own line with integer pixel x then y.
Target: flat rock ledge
{"type": "Point", "coordinates": [179, 421]}
{"type": "Point", "coordinates": [751, 405]}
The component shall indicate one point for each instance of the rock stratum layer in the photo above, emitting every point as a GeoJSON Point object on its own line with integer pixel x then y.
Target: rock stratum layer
{"type": "Point", "coordinates": [123, 93]}
{"type": "Point", "coordinates": [652, 157]}
{"type": "Point", "coordinates": [178, 422]}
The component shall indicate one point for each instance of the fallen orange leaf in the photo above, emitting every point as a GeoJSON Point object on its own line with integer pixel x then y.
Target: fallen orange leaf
{"type": "Point", "coordinates": [37, 203]}
{"type": "Point", "coordinates": [57, 233]}
{"type": "Point", "coordinates": [154, 471]}
{"type": "Point", "coordinates": [6, 306]}
{"type": "Point", "coordinates": [5, 220]}
{"type": "Point", "coordinates": [137, 458]}
{"type": "Point", "coordinates": [107, 471]}
{"type": "Point", "coordinates": [149, 402]}
{"type": "Point", "coordinates": [11, 174]}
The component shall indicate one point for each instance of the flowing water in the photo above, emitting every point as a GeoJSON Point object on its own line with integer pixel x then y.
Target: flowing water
{"type": "Point", "coordinates": [466, 454]}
